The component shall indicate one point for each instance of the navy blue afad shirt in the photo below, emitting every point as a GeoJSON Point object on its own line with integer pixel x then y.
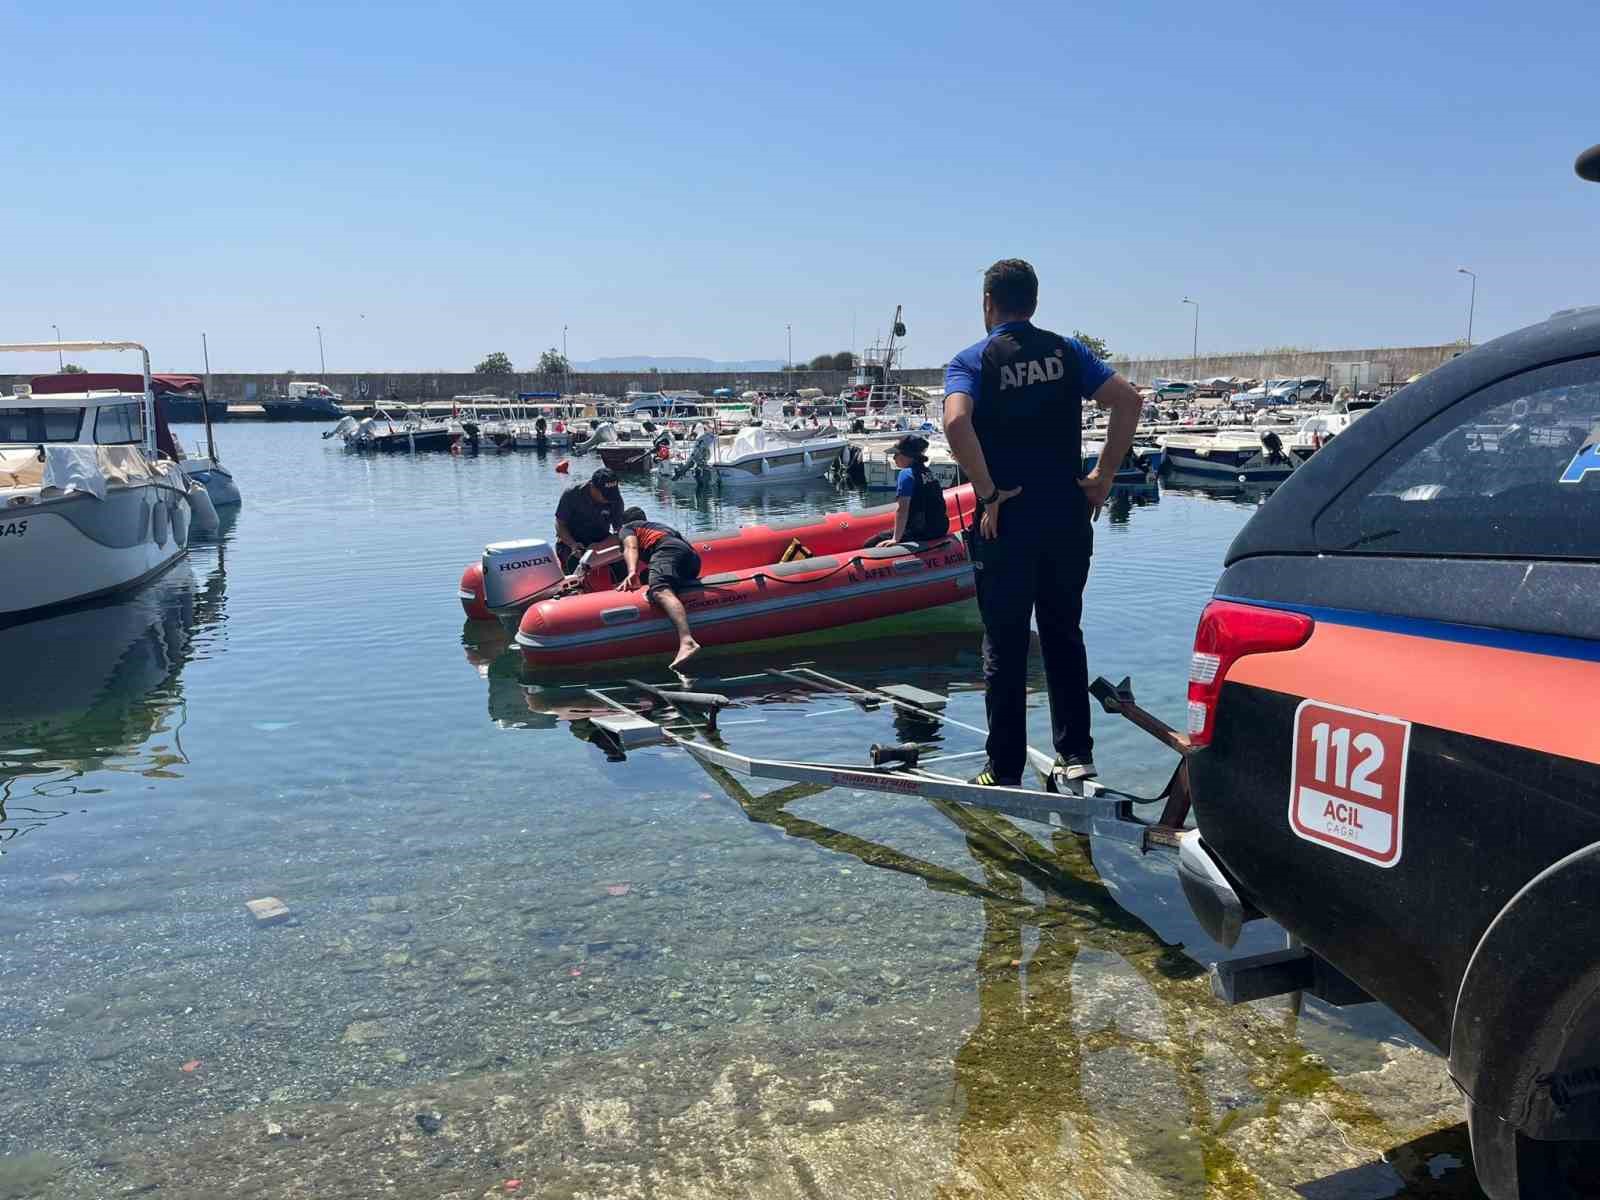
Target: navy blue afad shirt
{"type": "Point", "coordinates": [1028, 386]}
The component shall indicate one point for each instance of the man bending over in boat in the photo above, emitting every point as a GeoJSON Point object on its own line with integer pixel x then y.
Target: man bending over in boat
{"type": "Point", "coordinates": [671, 564]}
{"type": "Point", "coordinates": [586, 515]}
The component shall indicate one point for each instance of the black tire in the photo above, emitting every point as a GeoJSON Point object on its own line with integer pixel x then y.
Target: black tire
{"type": "Point", "coordinates": [1513, 1167]}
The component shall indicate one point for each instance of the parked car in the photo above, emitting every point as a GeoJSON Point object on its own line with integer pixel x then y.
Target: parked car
{"type": "Point", "coordinates": [1395, 699]}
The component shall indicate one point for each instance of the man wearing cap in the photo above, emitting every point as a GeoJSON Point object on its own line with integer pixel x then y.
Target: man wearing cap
{"type": "Point", "coordinates": [588, 513]}
{"type": "Point", "coordinates": [919, 514]}
{"type": "Point", "coordinates": [1013, 414]}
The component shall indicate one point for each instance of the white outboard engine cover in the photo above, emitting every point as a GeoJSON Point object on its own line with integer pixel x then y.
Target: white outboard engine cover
{"type": "Point", "coordinates": [515, 572]}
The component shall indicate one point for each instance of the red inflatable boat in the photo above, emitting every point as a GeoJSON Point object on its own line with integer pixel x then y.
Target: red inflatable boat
{"type": "Point", "coordinates": [746, 593]}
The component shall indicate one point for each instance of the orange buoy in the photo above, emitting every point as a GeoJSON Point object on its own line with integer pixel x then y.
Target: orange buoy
{"type": "Point", "coordinates": [563, 466]}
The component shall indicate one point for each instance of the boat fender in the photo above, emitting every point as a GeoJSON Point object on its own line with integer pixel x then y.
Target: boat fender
{"type": "Point", "coordinates": [160, 523]}
{"type": "Point", "coordinates": [205, 518]}
{"type": "Point", "coordinates": [563, 466]}
{"type": "Point", "coordinates": [182, 513]}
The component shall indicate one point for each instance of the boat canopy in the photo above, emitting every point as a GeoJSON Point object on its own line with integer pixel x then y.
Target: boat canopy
{"type": "Point", "coordinates": [94, 381]}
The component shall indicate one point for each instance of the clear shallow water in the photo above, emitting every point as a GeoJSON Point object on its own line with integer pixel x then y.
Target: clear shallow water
{"type": "Point", "coordinates": [300, 712]}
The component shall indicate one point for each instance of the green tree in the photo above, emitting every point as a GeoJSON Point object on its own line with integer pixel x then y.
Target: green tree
{"type": "Point", "coordinates": [841, 361]}
{"type": "Point", "coordinates": [553, 362]}
{"type": "Point", "coordinates": [498, 363]}
{"type": "Point", "coordinates": [73, 369]}
{"type": "Point", "coordinates": [1095, 346]}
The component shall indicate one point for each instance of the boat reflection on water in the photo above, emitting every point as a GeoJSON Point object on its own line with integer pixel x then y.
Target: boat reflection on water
{"type": "Point", "coordinates": [98, 687]}
{"type": "Point", "coordinates": [940, 657]}
{"type": "Point", "coordinates": [1249, 495]}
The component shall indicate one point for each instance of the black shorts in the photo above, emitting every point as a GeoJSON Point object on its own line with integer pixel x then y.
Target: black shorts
{"type": "Point", "coordinates": [673, 564]}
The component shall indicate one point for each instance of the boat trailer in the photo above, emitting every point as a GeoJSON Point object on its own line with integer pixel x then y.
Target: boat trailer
{"type": "Point", "coordinates": [689, 719]}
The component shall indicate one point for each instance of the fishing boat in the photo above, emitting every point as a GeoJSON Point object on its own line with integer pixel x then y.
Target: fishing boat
{"type": "Point", "coordinates": [759, 581]}
{"type": "Point", "coordinates": [87, 505]}
{"type": "Point", "coordinates": [1140, 466]}
{"type": "Point", "coordinates": [538, 421]}
{"type": "Point", "coordinates": [303, 400]}
{"type": "Point", "coordinates": [633, 455]}
{"type": "Point", "coordinates": [878, 472]}
{"type": "Point", "coordinates": [1235, 455]}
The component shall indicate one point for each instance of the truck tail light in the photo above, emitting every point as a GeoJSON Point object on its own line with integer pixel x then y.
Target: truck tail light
{"type": "Point", "coordinates": [1227, 632]}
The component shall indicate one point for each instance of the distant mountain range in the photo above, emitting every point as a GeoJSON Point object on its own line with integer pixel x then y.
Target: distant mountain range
{"type": "Point", "coordinates": [668, 364]}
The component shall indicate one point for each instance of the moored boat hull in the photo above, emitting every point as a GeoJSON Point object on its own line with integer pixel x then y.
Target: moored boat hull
{"type": "Point", "coordinates": [76, 548]}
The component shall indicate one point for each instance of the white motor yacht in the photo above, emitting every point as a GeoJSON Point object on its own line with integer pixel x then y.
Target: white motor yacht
{"type": "Point", "coordinates": [754, 456]}
{"type": "Point", "coordinates": [87, 506]}
{"type": "Point", "coordinates": [205, 466]}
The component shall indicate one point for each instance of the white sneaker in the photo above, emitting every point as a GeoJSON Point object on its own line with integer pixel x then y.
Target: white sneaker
{"type": "Point", "coordinates": [1076, 767]}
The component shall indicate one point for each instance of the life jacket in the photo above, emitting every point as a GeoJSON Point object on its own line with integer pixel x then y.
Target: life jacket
{"type": "Point", "coordinates": [928, 519]}
{"type": "Point", "coordinates": [1028, 414]}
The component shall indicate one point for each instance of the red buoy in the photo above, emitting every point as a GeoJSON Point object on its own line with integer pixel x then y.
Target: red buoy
{"type": "Point", "coordinates": [563, 466]}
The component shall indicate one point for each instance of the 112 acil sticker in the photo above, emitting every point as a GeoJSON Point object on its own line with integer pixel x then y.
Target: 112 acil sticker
{"type": "Point", "coordinates": [1348, 779]}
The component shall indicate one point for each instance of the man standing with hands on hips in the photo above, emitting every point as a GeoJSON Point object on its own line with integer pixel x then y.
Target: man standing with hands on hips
{"type": "Point", "coordinates": [1012, 411]}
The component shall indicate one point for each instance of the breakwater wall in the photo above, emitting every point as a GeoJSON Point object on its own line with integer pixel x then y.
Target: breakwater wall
{"type": "Point", "coordinates": [1371, 365]}
{"type": "Point", "coordinates": [1361, 366]}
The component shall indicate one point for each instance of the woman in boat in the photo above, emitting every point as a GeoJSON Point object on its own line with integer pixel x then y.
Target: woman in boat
{"type": "Point", "coordinates": [920, 514]}
{"type": "Point", "coordinates": [671, 563]}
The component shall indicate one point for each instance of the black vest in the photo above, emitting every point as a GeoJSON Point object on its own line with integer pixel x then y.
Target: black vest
{"type": "Point", "coordinates": [1029, 416]}
{"type": "Point", "coordinates": [928, 520]}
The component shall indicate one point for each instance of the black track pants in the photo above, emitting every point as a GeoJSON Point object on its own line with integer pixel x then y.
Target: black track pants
{"type": "Point", "coordinates": [1035, 568]}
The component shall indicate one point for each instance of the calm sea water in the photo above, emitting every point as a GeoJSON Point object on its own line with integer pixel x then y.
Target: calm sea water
{"type": "Point", "coordinates": [299, 711]}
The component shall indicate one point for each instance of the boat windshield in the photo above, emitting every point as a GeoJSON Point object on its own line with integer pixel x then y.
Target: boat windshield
{"type": "Point", "coordinates": [40, 424]}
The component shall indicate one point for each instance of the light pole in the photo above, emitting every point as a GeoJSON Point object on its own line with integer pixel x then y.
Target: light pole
{"type": "Point", "coordinates": [789, 362]}
{"type": "Point", "coordinates": [1471, 303]}
{"type": "Point", "coordinates": [60, 365]}
{"type": "Point", "coordinates": [566, 367]}
{"type": "Point", "coordinates": [321, 358]}
{"type": "Point", "coordinates": [1194, 354]}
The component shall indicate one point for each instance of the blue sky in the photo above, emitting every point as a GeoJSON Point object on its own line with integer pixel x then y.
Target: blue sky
{"type": "Point", "coordinates": [430, 184]}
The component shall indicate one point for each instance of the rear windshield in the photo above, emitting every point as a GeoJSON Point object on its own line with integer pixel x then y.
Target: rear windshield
{"type": "Point", "coordinates": [40, 424]}
{"type": "Point", "coordinates": [1511, 472]}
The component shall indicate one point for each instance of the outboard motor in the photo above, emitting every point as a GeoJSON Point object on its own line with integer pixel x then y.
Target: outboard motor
{"type": "Point", "coordinates": [514, 573]}
{"type": "Point", "coordinates": [1273, 445]}
{"type": "Point", "coordinates": [345, 427]}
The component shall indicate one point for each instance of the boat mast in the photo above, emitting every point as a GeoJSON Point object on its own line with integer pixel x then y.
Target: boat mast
{"type": "Point", "coordinates": [205, 401]}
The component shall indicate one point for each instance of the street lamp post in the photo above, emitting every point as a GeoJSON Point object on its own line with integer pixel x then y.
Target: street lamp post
{"type": "Point", "coordinates": [1194, 353]}
{"type": "Point", "coordinates": [566, 367]}
{"type": "Point", "coordinates": [321, 357]}
{"type": "Point", "coordinates": [1472, 303]}
{"type": "Point", "coordinates": [789, 362]}
{"type": "Point", "coordinates": [60, 364]}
